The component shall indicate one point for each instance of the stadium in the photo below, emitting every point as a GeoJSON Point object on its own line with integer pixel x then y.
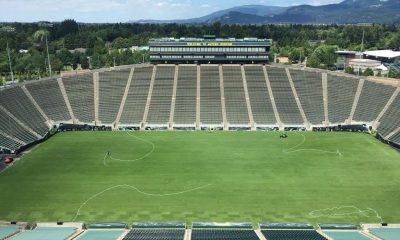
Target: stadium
{"type": "Point", "coordinates": [219, 150]}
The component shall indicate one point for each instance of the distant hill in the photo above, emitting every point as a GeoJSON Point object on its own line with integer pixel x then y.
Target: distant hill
{"type": "Point", "coordinates": [346, 12]}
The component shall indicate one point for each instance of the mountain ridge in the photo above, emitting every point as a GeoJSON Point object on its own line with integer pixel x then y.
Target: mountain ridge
{"type": "Point", "coordinates": [345, 12]}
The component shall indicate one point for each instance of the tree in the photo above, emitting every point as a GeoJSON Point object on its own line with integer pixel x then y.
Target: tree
{"type": "Point", "coordinates": [323, 56]}
{"type": "Point", "coordinates": [68, 26]}
{"type": "Point", "coordinates": [368, 72]}
{"type": "Point", "coordinates": [349, 70]}
{"type": "Point", "coordinates": [296, 54]}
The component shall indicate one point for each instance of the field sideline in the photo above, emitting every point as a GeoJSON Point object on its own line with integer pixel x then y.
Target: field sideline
{"type": "Point", "coordinates": [200, 176]}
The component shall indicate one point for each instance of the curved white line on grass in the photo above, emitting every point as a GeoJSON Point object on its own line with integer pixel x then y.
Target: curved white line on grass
{"type": "Point", "coordinates": [133, 188]}
{"type": "Point", "coordinates": [153, 147]}
{"type": "Point", "coordinates": [338, 211]}
{"type": "Point", "coordinates": [293, 149]}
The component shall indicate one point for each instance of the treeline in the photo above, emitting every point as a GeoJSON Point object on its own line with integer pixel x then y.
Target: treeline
{"type": "Point", "coordinates": [103, 44]}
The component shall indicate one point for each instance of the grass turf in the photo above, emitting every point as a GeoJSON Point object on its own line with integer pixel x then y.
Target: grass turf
{"type": "Point", "coordinates": [237, 176]}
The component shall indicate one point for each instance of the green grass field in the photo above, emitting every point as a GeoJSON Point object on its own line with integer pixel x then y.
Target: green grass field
{"type": "Point", "coordinates": [200, 176]}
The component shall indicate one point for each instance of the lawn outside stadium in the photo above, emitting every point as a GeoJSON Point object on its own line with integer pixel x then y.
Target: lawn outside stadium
{"type": "Point", "coordinates": [253, 177]}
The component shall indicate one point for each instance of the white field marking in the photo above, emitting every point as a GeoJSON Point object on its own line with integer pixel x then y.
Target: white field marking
{"type": "Point", "coordinates": [153, 147]}
{"type": "Point", "coordinates": [352, 210]}
{"type": "Point", "coordinates": [292, 149]}
{"type": "Point", "coordinates": [137, 190]}
{"type": "Point", "coordinates": [104, 159]}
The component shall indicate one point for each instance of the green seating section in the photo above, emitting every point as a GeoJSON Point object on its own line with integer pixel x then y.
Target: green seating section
{"type": "Point", "coordinates": [6, 231]}
{"type": "Point", "coordinates": [97, 234]}
{"type": "Point", "coordinates": [386, 233]}
{"type": "Point", "coordinates": [46, 233]}
{"type": "Point", "coordinates": [346, 235]}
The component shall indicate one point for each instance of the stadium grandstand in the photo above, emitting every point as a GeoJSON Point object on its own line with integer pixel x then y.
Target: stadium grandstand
{"type": "Point", "coordinates": [197, 231]}
{"type": "Point", "coordinates": [195, 97]}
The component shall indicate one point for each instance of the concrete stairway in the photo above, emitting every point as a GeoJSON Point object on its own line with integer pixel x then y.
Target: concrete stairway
{"type": "Point", "coordinates": [221, 85]}
{"type": "Point", "coordinates": [20, 123]}
{"type": "Point", "coordinates": [146, 109]}
{"type": "Point", "coordinates": [271, 95]}
{"type": "Point", "coordinates": [65, 96]}
{"type": "Point", "coordinates": [375, 124]}
{"type": "Point", "coordinates": [296, 97]}
{"type": "Point", "coordinates": [325, 97]}
{"type": "Point", "coordinates": [173, 101]}
{"type": "Point", "coordinates": [123, 101]}
{"type": "Point", "coordinates": [246, 94]}
{"type": "Point", "coordinates": [40, 110]}
{"type": "Point", "coordinates": [355, 102]}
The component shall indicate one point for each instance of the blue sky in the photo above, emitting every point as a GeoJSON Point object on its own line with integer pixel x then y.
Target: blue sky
{"type": "Point", "coordinates": [124, 10]}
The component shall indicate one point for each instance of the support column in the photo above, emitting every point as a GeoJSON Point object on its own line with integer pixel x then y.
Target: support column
{"type": "Point", "coordinates": [146, 109]}
{"type": "Point", "coordinates": [325, 96]}
{"type": "Point", "coordinates": [173, 101]}
{"type": "Point", "coordinates": [376, 123]}
{"type": "Point", "coordinates": [126, 92]}
{"type": "Point", "coordinates": [296, 97]}
{"type": "Point", "coordinates": [198, 100]}
{"type": "Point", "coordinates": [65, 96]}
{"type": "Point", "coordinates": [221, 86]}
{"type": "Point", "coordinates": [248, 103]}
{"type": "Point", "coordinates": [355, 102]}
{"type": "Point", "coordinates": [271, 95]}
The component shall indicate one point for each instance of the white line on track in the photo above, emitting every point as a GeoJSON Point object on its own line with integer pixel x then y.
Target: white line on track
{"type": "Point", "coordinates": [340, 211]}
{"type": "Point", "coordinates": [133, 188]}
{"type": "Point", "coordinates": [153, 147]}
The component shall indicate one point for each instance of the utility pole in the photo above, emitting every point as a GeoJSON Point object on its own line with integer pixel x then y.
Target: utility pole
{"type": "Point", "coordinates": [48, 56]}
{"type": "Point", "coordinates": [9, 61]}
{"type": "Point", "coordinates": [114, 62]}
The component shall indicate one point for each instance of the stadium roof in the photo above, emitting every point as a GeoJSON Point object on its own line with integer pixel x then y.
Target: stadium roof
{"type": "Point", "coordinates": [383, 53]}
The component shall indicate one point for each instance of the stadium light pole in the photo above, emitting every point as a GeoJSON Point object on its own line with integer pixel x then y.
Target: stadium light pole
{"type": "Point", "coordinates": [9, 61]}
{"type": "Point", "coordinates": [48, 56]}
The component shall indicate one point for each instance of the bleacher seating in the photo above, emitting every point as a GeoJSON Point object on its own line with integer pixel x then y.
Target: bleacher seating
{"type": "Point", "coordinates": [210, 96]}
{"type": "Point", "coordinates": [22, 122]}
{"type": "Point", "coordinates": [137, 96]}
{"type": "Point", "coordinates": [373, 99]}
{"type": "Point", "coordinates": [386, 233]}
{"type": "Point", "coordinates": [292, 235]}
{"type": "Point", "coordinates": [160, 104]}
{"type": "Point", "coordinates": [235, 101]}
{"type": "Point", "coordinates": [80, 93]}
{"type": "Point", "coordinates": [46, 233]}
{"type": "Point", "coordinates": [14, 129]}
{"type": "Point", "coordinates": [341, 93]}
{"type": "Point", "coordinates": [283, 95]}
{"type": "Point", "coordinates": [101, 234]}
{"type": "Point", "coordinates": [309, 90]}
{"type": "Point", "coordinates": [260, 100]}
{"type": "Point", "coordinates": [18, 104]}
{"type": "Point", "coordinates": [9, 143]}
{"type": "Point", "coordinates": [7, 231]}
{"type": "Point", "coordinates": [48, 96]}
{"type": "Point", "coordinates": [391, 119]}
{"type": "Point", "coordinates": [111, 90]}
{"type": "Point", "coordinates": [223, 234]}
{"type": "Point", "coordinates": [345, 235]}
{"type": "Point", "coordinates": [185, 104]}
{"type": "Point", "coordinates": [155, 234]}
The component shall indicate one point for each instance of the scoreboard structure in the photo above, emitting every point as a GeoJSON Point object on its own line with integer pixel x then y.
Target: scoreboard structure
{"type": "Point", "coordinates": [209, 50]}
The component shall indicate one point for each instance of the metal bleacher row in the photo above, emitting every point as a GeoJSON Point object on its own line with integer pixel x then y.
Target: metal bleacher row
{"type": "Point", "coordinates": [209, 231]}
{"type": "Point", "coordinates": [195, 96]}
